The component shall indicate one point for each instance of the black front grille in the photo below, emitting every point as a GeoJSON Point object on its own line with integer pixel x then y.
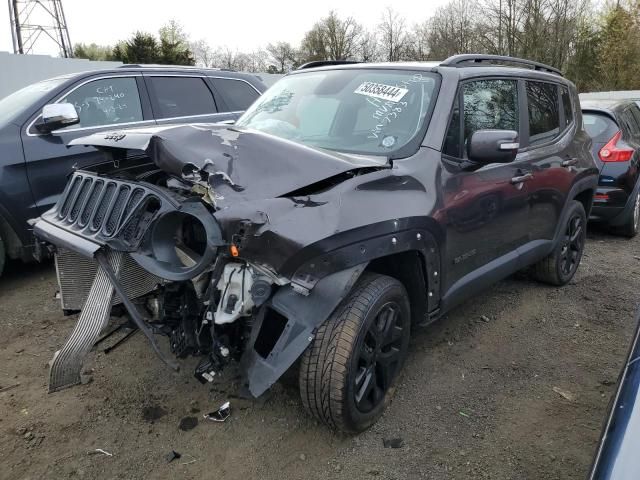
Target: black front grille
{"type": "Point", "coordinates": [100, 208]}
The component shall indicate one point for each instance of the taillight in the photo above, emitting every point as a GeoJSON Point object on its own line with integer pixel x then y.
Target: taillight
{"type": "Point", "coordinates": [611, 152]}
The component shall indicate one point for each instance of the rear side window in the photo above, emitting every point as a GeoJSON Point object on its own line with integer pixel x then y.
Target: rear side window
{"type": "Point", "coordinates": [237, 94]}
{"type": "Point", "coordinates": [181, 97]}
{"type": "Point", "coordinates": [566, 106]}
{"type": "Point", "coordinates": [487, 104]}
{"type": "Point", "coordinates": [601, 128]}
{"type": "Point", "coordinates": [544, 118]}
{"type": "Point", "coordinates": [106, 101]}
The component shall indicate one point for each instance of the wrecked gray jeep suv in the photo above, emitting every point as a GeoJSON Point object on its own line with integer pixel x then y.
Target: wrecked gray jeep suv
{"type": "Point", "coordinates": [348, 204]}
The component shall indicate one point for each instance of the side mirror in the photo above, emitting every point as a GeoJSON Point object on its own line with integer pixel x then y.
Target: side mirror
{"type": "Point", "coordinates": [57, 115]}
{"type": "Point", "coordinates": [493, 146]}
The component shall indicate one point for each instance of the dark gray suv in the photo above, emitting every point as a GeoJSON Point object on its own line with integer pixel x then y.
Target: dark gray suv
{"type": "Point", "coordinates": [35, 159]}
{"type": "Point", "coordinates": [348, 204]}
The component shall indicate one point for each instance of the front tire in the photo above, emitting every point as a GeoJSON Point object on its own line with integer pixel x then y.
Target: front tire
{"type": "Point", "coordinates": [347, 374]}
{"type": "Point", "coordinates": [561, 265]}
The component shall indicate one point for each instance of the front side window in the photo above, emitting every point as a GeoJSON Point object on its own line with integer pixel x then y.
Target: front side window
{"type": "Point", "coordinates": [544, 118]}
{"type": "Point", "coordinates": [487, 105]}
{"type": "Point", "coordinates": [181, 97]}
{"type": "Point", "coordinates": [237, 94]}
{"type": "Point", "coordinates": [490, 104]}
{"type": "Point", "coordinates": [352, 110]}
{"type": "Point", "coordinates": [107, 101]}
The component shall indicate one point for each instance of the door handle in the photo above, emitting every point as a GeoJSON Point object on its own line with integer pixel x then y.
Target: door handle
{"type": "Point", "coordinates": [521, 178]}
{"type": "Point", "coordinates": [570, 162]}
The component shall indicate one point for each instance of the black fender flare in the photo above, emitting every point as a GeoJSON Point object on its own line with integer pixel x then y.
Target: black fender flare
{"type": "Point", "coordinates": [582, 185]}
{"type": "Point", "coordinates": [354, 247]}
{"type": "Point", "coordinates": [304, 314]}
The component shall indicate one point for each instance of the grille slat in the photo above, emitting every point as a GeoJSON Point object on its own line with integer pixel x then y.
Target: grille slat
{"type": "Point", "coordinates": [113, 219]}
{"type": "Point", "coordinates": [83, 193]}
{"type": "Point", "coordinates": [92, 201]}
{"type": "Point", "coordinates": [71, 195]}
{"type": "Point", "coordinates": [103, 206]}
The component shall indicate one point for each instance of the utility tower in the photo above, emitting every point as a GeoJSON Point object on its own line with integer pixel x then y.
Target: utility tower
{"type": "Point", "coordinates": [38, 19]}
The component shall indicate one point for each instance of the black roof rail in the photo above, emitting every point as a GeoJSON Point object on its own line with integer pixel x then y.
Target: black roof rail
{"type": "Point", "coordinates": [460, 60]}
{"type": "Point", "coordinates": [325, 63]}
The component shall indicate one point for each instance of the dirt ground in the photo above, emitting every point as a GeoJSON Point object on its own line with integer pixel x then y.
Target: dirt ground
{"type": "Point", "coordinates": [476, 399]}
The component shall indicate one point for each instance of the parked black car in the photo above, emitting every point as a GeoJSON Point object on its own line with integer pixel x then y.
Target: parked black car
{"type": "Point", "coordinates": [347, 204]}
{"type": "Point", "coordinates": [35, 159]}
{"type": "Point", "coordinates": [614, 126]}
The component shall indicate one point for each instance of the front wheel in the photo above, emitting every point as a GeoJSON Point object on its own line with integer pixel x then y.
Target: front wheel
{"type": "Point", "coordinates": [561, 265]}
{"type": "Point", "coordinates": [348, 372]}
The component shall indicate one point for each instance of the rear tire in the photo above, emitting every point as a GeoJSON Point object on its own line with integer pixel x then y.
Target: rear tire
{"type": "Point", "coordinates": [347, 374]}
{"type": "Point", "coordinates": [632, 225]}
{"type": "Point", "coordinates": [561, 265]}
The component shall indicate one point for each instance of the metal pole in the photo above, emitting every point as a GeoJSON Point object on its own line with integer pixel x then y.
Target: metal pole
{"type": "Point", "coordinates": [16, 31]}
{"type": "Point", "coordinates": [65, 32]}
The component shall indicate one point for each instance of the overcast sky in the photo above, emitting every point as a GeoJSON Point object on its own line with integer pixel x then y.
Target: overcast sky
{"type": "Point", "coordinates": [242, 25]}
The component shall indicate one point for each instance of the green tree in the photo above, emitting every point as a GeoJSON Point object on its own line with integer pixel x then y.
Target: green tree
{"type": "Point", "coordinates": [174, 46]}
{"type": "Point", "coordinates": [141, 48]}
{"type": "Point", "coordinates": [618, 57]}
{"type": "Point", "coordinates": [582, 67]}
{"type": "Point", "coordinates": [92, 51]}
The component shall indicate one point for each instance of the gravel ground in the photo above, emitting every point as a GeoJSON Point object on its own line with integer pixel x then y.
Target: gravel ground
{"type": "Point", "coordinates": [512, 384]}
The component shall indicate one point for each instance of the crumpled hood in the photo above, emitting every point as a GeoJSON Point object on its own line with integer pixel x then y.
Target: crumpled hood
{"type": "Point", "coordinates": [237, 163]}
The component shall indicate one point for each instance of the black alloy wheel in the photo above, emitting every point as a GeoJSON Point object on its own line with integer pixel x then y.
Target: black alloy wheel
{"type": "Point", "coordinates": [573, 245]}
{"type": "Point", "coordinates": [559, 267]}
{"type": "Point", "coordinates": [378, 358]}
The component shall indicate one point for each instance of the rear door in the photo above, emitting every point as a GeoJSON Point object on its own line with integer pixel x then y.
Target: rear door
{"type": "Point", "coordinates": [103, 103]}
{"type": "Point", "coordinates": [551, 148]}
{"type": "Point", "coordinates": [179, 98]}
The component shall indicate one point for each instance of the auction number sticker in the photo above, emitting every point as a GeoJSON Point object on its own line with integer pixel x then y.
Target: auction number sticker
{"type": "Point", "coordinates": [382, 91]}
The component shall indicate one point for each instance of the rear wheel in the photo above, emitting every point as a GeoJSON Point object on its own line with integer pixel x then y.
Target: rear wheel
{"type": "Point", "coordinates": [632, 225]}
{"type": "Point", "coordinates": [561, 265]}
{"type": "Point", "coordinates": [348, 373]}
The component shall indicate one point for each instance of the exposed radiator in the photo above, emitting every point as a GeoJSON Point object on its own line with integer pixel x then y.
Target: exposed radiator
{"type": "Point", "coordinates": [76, 274]}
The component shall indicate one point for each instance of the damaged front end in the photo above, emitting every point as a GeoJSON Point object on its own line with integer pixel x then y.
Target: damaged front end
{"type": "Point", "coordinates": [185, 242]}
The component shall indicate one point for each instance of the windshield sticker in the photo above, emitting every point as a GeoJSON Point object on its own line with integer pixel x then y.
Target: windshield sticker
{"type": "Point", "coordinates": [379, 90]}
{"type": "Point", "coordinates": [389, 141]}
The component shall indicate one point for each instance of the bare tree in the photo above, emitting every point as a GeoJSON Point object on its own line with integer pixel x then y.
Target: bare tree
{"type": "Point", "coordinates": [258, 61]}
{"type": "Point", "coordinates": [417, 45]}
{"type": "Point", "coordinates": [282, 54]}
{"type": "Point", "coordinates": [203, 53]}
{"type": "Point", "coordinates": [313, 46]}
{"type": "Point", "coordinates": [341, 36]}
{"type": "Point", "coordinates": [368, 48]}
{"type": "Point", "coordinates": [393, 35]}
{"type": "Point", "coordinates": [453, 29]}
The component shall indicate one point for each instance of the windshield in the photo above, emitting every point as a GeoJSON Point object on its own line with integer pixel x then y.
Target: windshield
{"type": "Point", "coordinates": [16, 103]}
{"type": "Point", "coordinates": [351, 110]}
